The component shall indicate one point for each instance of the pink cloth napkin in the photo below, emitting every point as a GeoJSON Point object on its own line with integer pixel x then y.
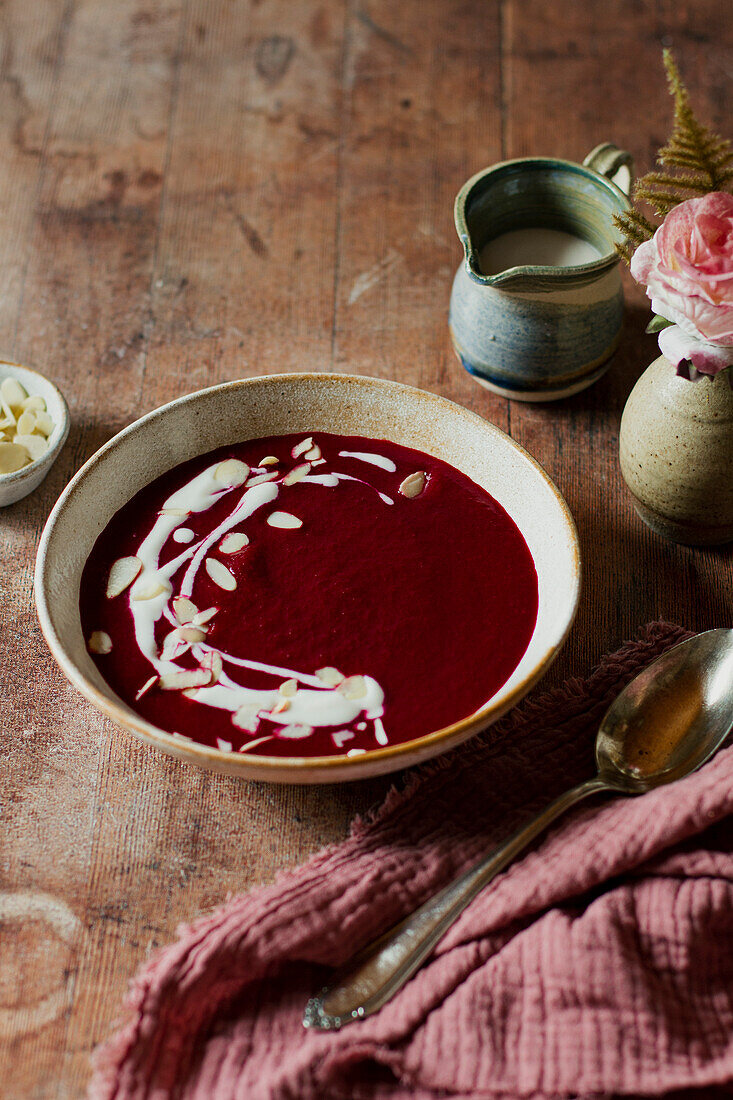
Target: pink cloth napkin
{"type": "Point", "coordinates": [600, 964]}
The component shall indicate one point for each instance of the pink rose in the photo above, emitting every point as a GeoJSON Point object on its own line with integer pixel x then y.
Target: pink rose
{"type": "Point", "coordinates": [687, 268]}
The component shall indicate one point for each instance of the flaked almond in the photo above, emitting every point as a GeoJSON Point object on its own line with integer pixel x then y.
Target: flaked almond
{"type": "Point", "coordinates": [353, 687]}
{"type": "Point", "coordinates": [188, 678]}
{"type": "Point", "coordinates": [183, 534]}
{"type": "Point", "coordinates": [222, 745]}
{"type": "Point", "coordinates": [253, 744]}
{"type": "Point", "coordinates": [413, 484]}
{"type": "Point", "coordinates": [269, 460]}
{"type": "Point", "coordinates": [147, 588]}
{"type": "Point", "coordinates": [220, 574]}
{"type": "Point", "coordinates": [213, 662]}
{"type": "Point", "coordinates": [283, 704]}
{"type": "Point", "coordinates": [177, 513]}
{"type": "Point", "coordinates": [330, 676]}
{"type": "Point", "coordinates": [12, 457]}
{"type": "Point", "coordinates": [246, 718]}
{"type": "Point", "coordinates": [313, 454]}
{"type": "Point", "coordinates": [146, 687]}
{"type": "Point", "coordinates": [184, 609]}
{"type": "Point", "coordinates": [35, 445]}
{"type": "Point", "coordinates": [26, 422]}
{"type": "Point", "coordinates": [295, 732]}
{"type": "Point", "coordinates": [12, 391]}
{"type": "Point", "coordinates": [202, 617]}
{"type": "Point", "coordinates": [121, 575]}
{"type": "Point", "coordinates": [190, 634]}
{"type": "Point", "coordinates": [300, 448]}
{"type": "Point", "coordinates": [44, 423]}
{"type": "Point", "coordinates": [284, 520]}
{"type": "Point", "coordinates": [297, 474]}
{"type": "Point", "coordinates": [173, 647]}
{"type": "Point", "coordinates": [99, 642]}
{"type": "Point", "coordinates": [231, 472]}
{"type": "Point", "coordinates": [260, 479]}
{"type": "Point", "coordinates": [233, 542]}
{"type": "Point", "coordinates": [288, 688]}
{"type": "Point", "coordinates": [35, 403]}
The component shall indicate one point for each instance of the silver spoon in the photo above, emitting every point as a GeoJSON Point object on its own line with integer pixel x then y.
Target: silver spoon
{"type": "Point", "coordinates": [666, 723]}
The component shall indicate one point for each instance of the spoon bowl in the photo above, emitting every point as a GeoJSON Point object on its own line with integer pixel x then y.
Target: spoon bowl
{"type": "Point", "coordinates": [664, 725]}
{"type": "Point", "coordinates": [671, 718]}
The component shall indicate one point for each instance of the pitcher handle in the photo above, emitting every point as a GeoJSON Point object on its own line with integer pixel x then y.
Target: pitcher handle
{"type": "Point", "coordinates": [614, 163]}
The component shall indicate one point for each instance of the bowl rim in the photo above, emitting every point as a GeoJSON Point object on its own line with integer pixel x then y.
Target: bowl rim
{"type": "Point", "coordinates": [205, 755]}
{"type": "Point", "coordinates": [52, 453]}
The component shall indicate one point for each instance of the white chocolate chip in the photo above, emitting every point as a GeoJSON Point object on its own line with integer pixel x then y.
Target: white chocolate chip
{"type": "Point", "coordinates": [284, 520]}
{"type": "Point", "coordinates": [220, 574]}
{"type": "Point", "coordinates": [99, 642]}
{"type": "Point", "coordinates": [121, 575]}
{"type": "Point", "coordinates": [183, 534]}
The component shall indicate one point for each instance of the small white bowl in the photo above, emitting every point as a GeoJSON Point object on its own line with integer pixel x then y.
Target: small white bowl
{"type": "Point", "coordinates": [20, 483]}
{"type": "Point", "coordinates": [274, 405]}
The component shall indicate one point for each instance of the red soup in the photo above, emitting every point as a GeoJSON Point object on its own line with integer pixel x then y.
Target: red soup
{"type": "Point", "coordinates": [309, 597]}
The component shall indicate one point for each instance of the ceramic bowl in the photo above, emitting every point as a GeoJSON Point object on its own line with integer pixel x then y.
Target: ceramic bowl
{"type": "Point", "coordinates": [20, 483]}
{"type": "Point", "coordinates": [306, 403]}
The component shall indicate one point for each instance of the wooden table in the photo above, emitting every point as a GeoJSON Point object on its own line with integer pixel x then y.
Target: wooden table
{"type": "Point", "coordinates": [196, 191]}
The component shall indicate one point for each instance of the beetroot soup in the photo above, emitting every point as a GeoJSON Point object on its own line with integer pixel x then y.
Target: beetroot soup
{"type": "Point", "coordinates": [311, 596]}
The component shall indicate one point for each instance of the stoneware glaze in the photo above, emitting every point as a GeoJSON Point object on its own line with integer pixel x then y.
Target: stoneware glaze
{"type": "Point", "coordinates": [539, 333]}
{"type": "Point", "coordinates": [676, 450]}
{"type": "Point", "coordinates": [20, 483]}
{"type": "Point", "coordinates": [278, 404]}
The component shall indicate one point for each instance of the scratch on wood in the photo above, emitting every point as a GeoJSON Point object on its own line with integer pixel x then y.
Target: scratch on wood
{"type": "Point", "coordinates": [383, 33]}
{"type": "Point", "coordinates": [251, 236]}
{"type": "Point", "coordinates": [273, 56]}
{"type": "Point", "coordinates": [374, 275]}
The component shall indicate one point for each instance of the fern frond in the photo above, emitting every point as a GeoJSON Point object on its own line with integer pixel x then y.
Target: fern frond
{"type": "Point", "coordinates": [693, 162]}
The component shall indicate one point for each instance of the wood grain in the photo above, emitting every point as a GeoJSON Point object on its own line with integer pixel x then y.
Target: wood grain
{"type": "Point", "coordinates": [193, 191]}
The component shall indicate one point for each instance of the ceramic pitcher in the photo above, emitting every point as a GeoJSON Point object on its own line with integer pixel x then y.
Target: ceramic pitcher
{"type": "Point", "coordinates": [538, 332]}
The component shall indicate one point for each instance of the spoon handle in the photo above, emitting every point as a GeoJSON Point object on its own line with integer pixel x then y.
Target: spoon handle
{"type": "Point", "coordinates": [383, 967]}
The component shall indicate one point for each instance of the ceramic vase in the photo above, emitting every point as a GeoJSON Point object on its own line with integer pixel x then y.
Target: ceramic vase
{"type": "Point", "coordinates": [676, 450]}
